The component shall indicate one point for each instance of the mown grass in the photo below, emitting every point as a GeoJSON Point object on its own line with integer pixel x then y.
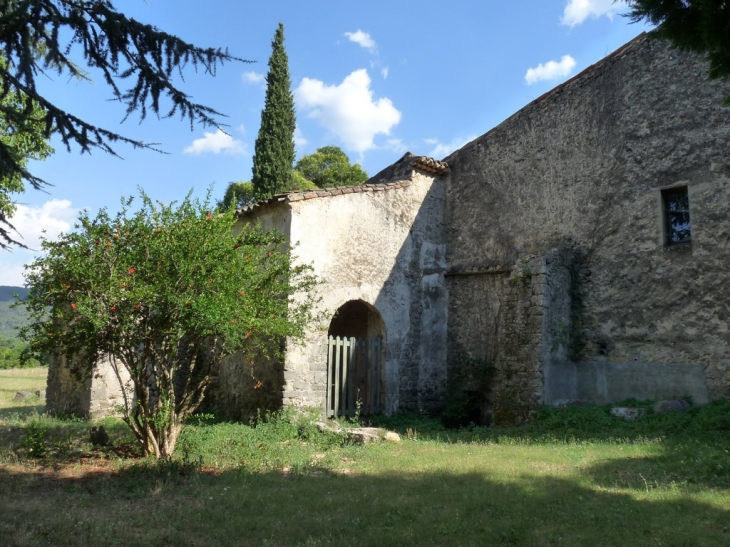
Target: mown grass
{"type": "Point", "coordinates": [21, 379]}
{"type": "Point", "coordinates": [574, 477]}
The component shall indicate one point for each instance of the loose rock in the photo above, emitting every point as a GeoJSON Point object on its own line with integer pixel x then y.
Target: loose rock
{"type": "Point", "coordinates": [22, 396]}
{"type": "Point", "coordinates": [626, 412]}
{"type": "Point", "coordinates": [671, 405]}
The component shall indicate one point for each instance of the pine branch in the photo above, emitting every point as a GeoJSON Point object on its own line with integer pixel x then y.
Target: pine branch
{"type": "Point", "coordinates": [121, 48]}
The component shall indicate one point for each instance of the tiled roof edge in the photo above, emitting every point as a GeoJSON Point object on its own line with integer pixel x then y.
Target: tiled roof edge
{"type": "Point", "coordinates": [290, 197]}
{"type": "Point", "coordinates": [422, 163]}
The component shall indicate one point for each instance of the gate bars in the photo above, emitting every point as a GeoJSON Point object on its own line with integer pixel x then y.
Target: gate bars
{"type": "Point", "coordinates": [354, 368]}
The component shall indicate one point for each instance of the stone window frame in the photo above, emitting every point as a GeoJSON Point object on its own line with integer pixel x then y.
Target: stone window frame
{"type": "Point", "coordinates": [667, 212]}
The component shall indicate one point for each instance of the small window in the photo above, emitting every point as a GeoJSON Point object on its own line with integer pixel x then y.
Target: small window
{"type": "Point", "coordinates": [677, 227]}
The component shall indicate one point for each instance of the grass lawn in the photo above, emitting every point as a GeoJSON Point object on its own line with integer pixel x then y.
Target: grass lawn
{"type": "Point", "coordinates": [21, 379]}
{"type": "Point", "coordinates": [577, 477]}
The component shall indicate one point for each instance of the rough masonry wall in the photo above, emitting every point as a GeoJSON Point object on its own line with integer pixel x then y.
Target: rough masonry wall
{"type": "Point", "coordinates": [582, 169]}
{"type": "Point", "coordinates": [385, 247]}
{"type": "Point", "coordinates": [95, 396]}
{"type": "Point", "coordinates": [248, 384]}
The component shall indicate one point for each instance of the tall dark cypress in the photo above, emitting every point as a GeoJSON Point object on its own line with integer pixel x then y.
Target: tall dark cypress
{"type": "Point", "coordinates": [274, 154]}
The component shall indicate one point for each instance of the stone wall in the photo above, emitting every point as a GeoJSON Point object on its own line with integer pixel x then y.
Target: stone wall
{"type": "Point", "coordinates": [96, 395]}
{"type": "Point", "coordinates": [382, 244]}
{"type": "Point", "coordinates": [246, 386]}
{"type": "Point", "coordinates": [582, 168]}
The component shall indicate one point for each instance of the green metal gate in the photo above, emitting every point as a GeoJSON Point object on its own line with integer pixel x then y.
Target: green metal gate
{"type": "Point", "coordinates": [354, 369]}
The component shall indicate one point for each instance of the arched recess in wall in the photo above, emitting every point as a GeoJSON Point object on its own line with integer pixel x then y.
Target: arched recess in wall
{"type": "Point", "coordinates": [356, 318]}
{"type": "Point", "coordinates": [355, 360]}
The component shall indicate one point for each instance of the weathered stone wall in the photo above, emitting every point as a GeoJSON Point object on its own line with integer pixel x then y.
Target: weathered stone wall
{"type": "Point", "coordinates": [97, 395]}
{"type": "Point", "coordinates": [383, 245]}
{"type": "Point", "coordinates": [385, 248]}
{"type": "Point", "coordinates": [245, 386]}
{"type": "Point", "coordinates": [582, 168]}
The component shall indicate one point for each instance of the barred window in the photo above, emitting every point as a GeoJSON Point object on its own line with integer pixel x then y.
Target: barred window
{"type": "Point", "coordinates": [677, 226]}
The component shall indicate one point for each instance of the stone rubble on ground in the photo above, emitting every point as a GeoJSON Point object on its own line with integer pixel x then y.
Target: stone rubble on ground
{"type": "Point", "coordinates": [627, 412]}
{"type": "Point", "coordinates": [360, 435]}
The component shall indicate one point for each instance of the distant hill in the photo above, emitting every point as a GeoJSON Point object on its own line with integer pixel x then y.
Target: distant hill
{"type": "Point", "coordinates": [6, 293]}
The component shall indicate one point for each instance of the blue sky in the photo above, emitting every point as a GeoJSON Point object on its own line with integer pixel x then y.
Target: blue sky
{"type": "Point", "coordinates": [377, 78]}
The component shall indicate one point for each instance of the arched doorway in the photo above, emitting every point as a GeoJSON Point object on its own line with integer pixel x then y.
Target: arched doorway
{"type": "Point", "coordinates": [355, 360]}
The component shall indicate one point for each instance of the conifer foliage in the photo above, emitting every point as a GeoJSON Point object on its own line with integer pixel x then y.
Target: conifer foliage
{"type": "Point", "coordinates": [274, 151]}
{"type": "Point", "coordinates": [39, 36]}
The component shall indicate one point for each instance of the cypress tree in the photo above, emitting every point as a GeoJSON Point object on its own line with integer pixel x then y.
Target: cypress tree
{"type": "Point", "coordinates": [274, 152]}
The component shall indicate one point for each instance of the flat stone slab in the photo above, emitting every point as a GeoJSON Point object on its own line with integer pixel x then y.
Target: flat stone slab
{"type": "Point", "coordinates": [627, 412]}
{"type": "Point", "coordinates": [361, 435]}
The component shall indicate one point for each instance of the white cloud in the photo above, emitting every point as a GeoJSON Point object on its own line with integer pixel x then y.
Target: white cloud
{"type": "Point", "coordinates": [300, 140]}
{"type": "Point", "coordinates": [13, 274]}
{"type": "Point", "coordinates": [384, 72]}
{"type": "Point", "coordinates": [550, 70]}
{"type": "Point", "coordinates": [443, 149]}
{"type": "Point", "coordinates": [577, 11]}
{"type": "Point", "coordinates": [54, 216]}
{"type": "Point", "coordinates": [396, 145]}
{"type": "Point", "coordinates": [362, 38]}
{"type": "Point", "coordinates": [253, 78]}
{"type": "Point", "coordinates": [347, 110]}
{"type": "Point", "coordinates": [216, 142]}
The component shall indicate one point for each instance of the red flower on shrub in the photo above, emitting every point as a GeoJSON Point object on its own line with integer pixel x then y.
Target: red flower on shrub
{"type": "Point", "coordinates": [131, 270]}
{"type": "Point", "coordinates": [73, 306]}
{"type": "Point", "coordinates": [114, 308]}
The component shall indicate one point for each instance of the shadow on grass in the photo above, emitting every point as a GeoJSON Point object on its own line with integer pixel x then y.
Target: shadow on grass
{"type": "Point", "coordinates": [685, 464]}
{"type": "Point", "coordinates": [21, 411]}
{"type": "Point", "coordinates": [160, 507]}
{"type": "Point", "coordinates": [575, 424]}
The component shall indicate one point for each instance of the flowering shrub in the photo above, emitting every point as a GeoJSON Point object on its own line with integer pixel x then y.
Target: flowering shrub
{"type": "Point", "coordinates": [167, 291]}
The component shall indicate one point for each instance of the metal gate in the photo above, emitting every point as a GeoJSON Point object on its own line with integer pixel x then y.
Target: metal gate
{"type": "Point", "coordinates": [354, 368]}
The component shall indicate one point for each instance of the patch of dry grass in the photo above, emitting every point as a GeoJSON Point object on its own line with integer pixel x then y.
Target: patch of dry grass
{"type": "Point", "coordinates": [22, 379]}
